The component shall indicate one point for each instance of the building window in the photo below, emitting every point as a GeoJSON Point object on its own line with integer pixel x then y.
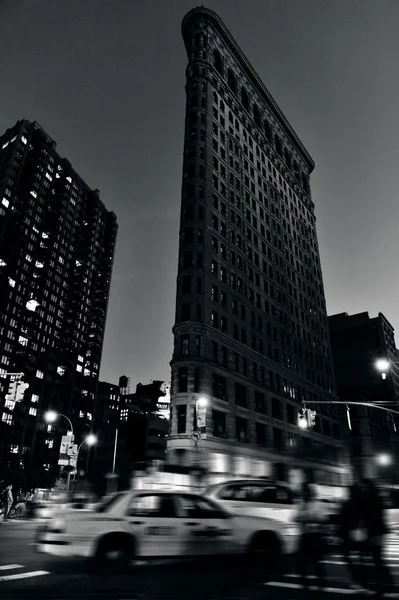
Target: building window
{"type": "Point", "coordinates": [276, 409]}
{"type": "Point", "coordinates": [33, 411]}
{"type": "Point", "coordinates": [218, 386]}
{"type": "Point", "coordinates": [35, 398]}
{"type": "Point", "coordinates": [260, 404]}
{"type": "Point", "coordinates": [196, 379]}
{"type": "Point", "coordinates": [186, 285]}
{"type": "Point", "coordinates": [185, 312]}
{"type": "Point", "coordinates": [219, 423]}
{"type": "Point", "coordinates": [240, 394]}
{"type": "Point", "coordinates": [197, 347]}
{"type": "Point", "coordinates": [185, 345]}
{"type": "Point", "coordinates": [39, 374]}
{"type": "Point", "coordinates": [261, 434]}
{"type": "Point", "coordinates": [182, 380]}
{"type": "Point", "coordinates": [278, 440]}
{"type": "Point", "coordinates": [241, 430]}
{"type": "Point", "coordinates": [181, 418]}
{"type": "Point", "coordinates": [232, 81]}
{"type": "Point", "coordinates": [291, 414]}
{"type": "Point", "coordinates": [218, 62]}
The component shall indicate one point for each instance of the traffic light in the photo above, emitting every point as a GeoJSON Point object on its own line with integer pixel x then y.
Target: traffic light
{"type": "Point", "coordinates": [21, 387]}
{"type": "Point", "coordinates": [311, 417]}
{"type": "Point", "coordinates": [12, 390]}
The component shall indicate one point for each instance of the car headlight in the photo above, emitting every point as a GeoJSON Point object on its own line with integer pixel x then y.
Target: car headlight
{"type": "Point", "coordinates": [57, 526]}
{"type": "Point", "coordinates": [290, 531]}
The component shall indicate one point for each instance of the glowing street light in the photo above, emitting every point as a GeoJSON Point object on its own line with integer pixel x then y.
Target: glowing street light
{"type": "Point", "coordinates": [382, 364]}
{"type": "Point", "coordinates": [384, 459]}
{"type": "Point", "coordinates": [91, 439]}
{"type": "Point", "coordinates": [202, 402]}
{"type": "Point", "coordinates": [51, 416]}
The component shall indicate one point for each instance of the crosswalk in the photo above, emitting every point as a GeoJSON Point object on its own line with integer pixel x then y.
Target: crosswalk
{"type": "Point", "coordinates": [342, 585]}
{"type": "Point", "coordinates": [14, 572]}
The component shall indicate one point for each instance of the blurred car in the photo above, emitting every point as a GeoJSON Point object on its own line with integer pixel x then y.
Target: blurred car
{"type": "Point", "coordinates": [269, 499]}
{"type": "Point", "coordinates": [158, 524]}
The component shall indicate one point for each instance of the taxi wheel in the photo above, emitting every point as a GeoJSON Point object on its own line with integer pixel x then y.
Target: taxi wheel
{"type": "Point", "coordinates": [265, 551]}
{"type": "Point", "coordinates": [114, 554]}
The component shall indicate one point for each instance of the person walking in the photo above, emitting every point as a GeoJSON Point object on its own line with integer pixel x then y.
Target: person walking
{"type": "Point", "coordinates": [9, 502]}
{"type": "Point", "coordinates": [353, 531]}
{"type": "Point", "coordinates": [375, 519]}
{"type": "Point", "coordinates": [310, 516]}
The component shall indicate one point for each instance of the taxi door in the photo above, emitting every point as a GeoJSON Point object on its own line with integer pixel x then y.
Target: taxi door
{"type": "Point", "coordinates": [152, 519]}
{"type": "Point", "coordinates": [207, 529]}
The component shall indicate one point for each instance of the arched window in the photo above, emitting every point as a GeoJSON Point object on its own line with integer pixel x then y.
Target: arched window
{"type": "Point", "coordinates": [232, 81]}
{"type": "Point", "coordinates": [245, 99]}
{"type": "Point", "coordinates": [257, 115]}
{"type": "Point", "coordinates": [218, 62]}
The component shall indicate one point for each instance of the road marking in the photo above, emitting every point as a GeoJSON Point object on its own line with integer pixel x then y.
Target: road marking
{"type": "Point", "coordinates": [366, 564]}
{"type": "Point", "coordinates": [23, 575]}
{"type": "Point", "coordinates": [297, 586]}
{"type": "Point", "coordinates": [9, 567]}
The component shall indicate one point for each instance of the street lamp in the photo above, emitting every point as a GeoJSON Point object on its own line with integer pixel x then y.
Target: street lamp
{"type": "Point", "coordinates": [202, 402]}
{"type": "Point", "coordinates": [384, 459]}
{"type": "Point", "coordinates": [50, 417]}
{"type": "Point", "coordinates": [382, 364]}
{"type": "Point", "coordinates": [90, 440]}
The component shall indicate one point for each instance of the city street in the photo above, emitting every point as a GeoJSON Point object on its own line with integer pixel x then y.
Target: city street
{"type": "Point", "coordinates": [25, 573]}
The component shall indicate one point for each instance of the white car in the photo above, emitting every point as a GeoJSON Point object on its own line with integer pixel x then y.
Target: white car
{"type": "Point", "coordinates": [158, 524]}
{"type": "Point", "coordinates": [256, 497]}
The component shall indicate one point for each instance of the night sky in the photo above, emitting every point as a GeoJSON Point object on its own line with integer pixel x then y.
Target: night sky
{"type": "Point", "coordinates": [105, 79]}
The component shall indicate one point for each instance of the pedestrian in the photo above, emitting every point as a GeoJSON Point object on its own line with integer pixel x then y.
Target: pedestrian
{"type": "Point", "coordinates": [310, 515]}
{"type": "Point", "coordinates": [353, 531]}
{"type": "Point", "coordinates": [9, 501]}
{"type": "Point", "coordinates": [375, 518]}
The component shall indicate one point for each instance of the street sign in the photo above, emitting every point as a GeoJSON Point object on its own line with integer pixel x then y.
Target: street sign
{"type": "Point", "coordinates": [66, 444]}
{"type": "Point", "coordinates": [196, 436]}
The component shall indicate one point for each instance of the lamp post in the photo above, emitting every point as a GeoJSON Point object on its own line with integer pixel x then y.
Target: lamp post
{"type": "Point", "coordinates": [50, 417]}
{"type": "Point", "coordinates": [90, 440]}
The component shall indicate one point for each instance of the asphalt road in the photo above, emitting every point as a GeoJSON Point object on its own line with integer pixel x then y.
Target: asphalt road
{"type": "Point", "coordinates": [25, 573]}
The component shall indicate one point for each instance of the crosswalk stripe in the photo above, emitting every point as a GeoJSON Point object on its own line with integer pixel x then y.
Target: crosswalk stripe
{"type": "Point", "coordinates": [23, 575]}
{"type": "Point", "coordinates": [9, 567]}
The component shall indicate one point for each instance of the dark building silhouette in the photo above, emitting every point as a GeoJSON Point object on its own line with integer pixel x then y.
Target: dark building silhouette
{"type": "Point", "coordinates": [357, 342]}
{"type": "Point", "coordinates": [136, 424]}
{"type": "Point", "coordinates": [57, 244]}
{"type": "Point", "coordinates": [250, 334]}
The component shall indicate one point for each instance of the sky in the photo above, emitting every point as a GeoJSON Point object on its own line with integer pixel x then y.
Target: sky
{"type": "Point", "coordinates": [105, 79]}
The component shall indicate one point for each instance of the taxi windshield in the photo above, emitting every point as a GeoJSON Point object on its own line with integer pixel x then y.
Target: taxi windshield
{"type": "Point", "coordinates": [108, 502]}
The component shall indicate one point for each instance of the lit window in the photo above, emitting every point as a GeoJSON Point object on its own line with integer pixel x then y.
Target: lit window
{"type": "Point", "coordinates": [89, 416]}
{"type": "Point", "coordinates": [13, 139]}
{"type": "Point", "coordinates": [81, 414]}
{"type": "Point", "coordinates": [61, 370]}
{"type": "Point", "coordinates": [86, 373]}
{"type": "Point", "coordinates": [69, 179]}
{"type": "Point", "coordinates": [33, 193]}
{"type": "Point", "coordinates": [14, 449]}
{"type": "Point", "coordinates": [23, 340]}
{"type": "Point", "coordinates": [44, 235]}
{"type": "Point", "coordinates": [5, 202]}
{"type": "Point", "coordinates": [32, 305]}
{"type": "Point", "coordinates": [50, 443]}
{"type": "Point", "coordinates": [2, 263]}
{"type": "Point", "coordinates": [35, 398]}
{"type": "Point", "coordinates": [35, 229]}
{"type": "Point", "coordinates": [11, 282]}
{"type": "Point", "coordinates": [10, 404]}
{"type": "Point", "coordinates": [33, 411]}
{"type": "Point", "coordinates": [39, 265]}
{"type": "Point", "coordinates": [28, 258]}
{"type": "Point", "coordinates": [49, 177]}
{"type": "Point", "coordinates": [49, 427]}
{"type": "Point", "coordinates": [61, 260]}
{"type": "Point", "coordinates": [7, 418]}
{"type": "Point", "coordinates": [80, 358]}
{"type": "Point", "coordinates": [39, 374]}
{"type": "Point", "coordinates": [24, 140]}
{"type": "Point", "coordinates": [79, 368]}
{"type": "Point", "coordinates": [5, 145]}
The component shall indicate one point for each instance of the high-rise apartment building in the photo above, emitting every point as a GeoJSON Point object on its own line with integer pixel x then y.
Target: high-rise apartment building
{"type": "Point", "coordinates": [357, 343]}
{"type": "Point", "coordinates": [251, 336]}
{"type": "Point", "coordinates": [57, 244]}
